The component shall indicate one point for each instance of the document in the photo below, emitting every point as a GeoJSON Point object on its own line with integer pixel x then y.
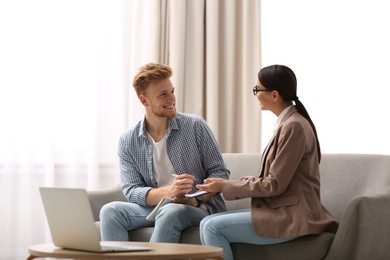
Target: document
{"type": "Point", "coordinates": [196, 194]}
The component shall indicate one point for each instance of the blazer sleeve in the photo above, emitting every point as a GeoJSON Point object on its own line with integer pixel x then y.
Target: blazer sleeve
{"type": "Point", "coordinates": [286, 152]}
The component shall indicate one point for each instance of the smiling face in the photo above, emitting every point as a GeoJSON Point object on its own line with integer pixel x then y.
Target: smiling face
{"type": "Point", "coordinates": [159, 99]}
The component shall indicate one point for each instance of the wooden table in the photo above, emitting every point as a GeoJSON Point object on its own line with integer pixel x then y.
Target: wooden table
{"type": "Point", "coordinates": [159, 251]}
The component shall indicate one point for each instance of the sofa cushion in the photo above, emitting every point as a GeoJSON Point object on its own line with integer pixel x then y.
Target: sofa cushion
{"type": "Point", "coordinates": [346, 176]}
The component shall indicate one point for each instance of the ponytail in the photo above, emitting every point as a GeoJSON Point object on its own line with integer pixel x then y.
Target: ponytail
{"type": "Point", "coordinates": [302, 110]}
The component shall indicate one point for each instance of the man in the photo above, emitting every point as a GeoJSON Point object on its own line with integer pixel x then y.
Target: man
{"type": "Point", "coordinates": [164, 155]}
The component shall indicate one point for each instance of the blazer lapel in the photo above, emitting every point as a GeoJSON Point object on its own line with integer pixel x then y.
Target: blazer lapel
{"type": "Point", "coordinates": [264, 157]}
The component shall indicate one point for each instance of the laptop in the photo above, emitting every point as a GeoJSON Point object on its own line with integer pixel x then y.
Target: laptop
{"type": "Point", "coordinates": [69, 215]}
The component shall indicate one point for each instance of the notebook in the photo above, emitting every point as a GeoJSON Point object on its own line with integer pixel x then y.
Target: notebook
{"type": "Point", "coordinates": [69, 215]}
{"type": "Point", "coordinates": [166, 200]}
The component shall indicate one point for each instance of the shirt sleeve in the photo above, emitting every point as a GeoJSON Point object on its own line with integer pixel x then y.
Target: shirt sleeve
{"type": "Point", "coordinates": [133, 182]}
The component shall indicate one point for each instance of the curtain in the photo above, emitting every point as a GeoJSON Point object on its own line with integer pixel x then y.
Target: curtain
{"type": "Point", "coordinates": [213, 48]}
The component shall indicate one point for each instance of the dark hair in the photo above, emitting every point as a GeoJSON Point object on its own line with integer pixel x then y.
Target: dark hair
{"type": "Point", "coordinates": [282, 79]}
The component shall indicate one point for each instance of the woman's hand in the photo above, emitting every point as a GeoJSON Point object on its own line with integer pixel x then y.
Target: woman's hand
{"type": "Point", "coordinates": [212, 185]}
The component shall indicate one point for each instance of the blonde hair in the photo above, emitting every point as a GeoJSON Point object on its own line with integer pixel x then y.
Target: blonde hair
{"type": "Point", "coordinates": [150, 73]}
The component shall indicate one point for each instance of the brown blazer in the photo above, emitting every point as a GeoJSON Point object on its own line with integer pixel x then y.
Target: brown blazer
{"type": "Point", "coordinates": [286, 199]}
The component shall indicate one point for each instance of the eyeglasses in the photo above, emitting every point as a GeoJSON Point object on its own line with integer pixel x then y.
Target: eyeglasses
{"type": "Point", "coordinates": [257, 90]}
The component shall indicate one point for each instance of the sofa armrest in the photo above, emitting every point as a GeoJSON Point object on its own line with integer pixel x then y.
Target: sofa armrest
{"type": "Point", "coordinates": [364, 231]}
{"type": "Point", "coordinates": [98, 198]}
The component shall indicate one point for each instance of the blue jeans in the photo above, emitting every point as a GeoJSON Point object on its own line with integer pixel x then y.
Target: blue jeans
{"type": "Point", "coordinates": [224, 228]}
{"type": "Point", "coordinates": [117, 218]}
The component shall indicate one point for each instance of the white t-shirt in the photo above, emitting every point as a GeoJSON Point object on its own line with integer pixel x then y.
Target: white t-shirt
{"type": "Point", "coordinates": [162, 166]}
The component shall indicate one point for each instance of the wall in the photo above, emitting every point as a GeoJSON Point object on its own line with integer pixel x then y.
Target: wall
{"type": "Point", "coordinates": [339, 51]}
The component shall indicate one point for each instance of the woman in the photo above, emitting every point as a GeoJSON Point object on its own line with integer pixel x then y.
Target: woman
{"type": "Point", "coordinates": [286, 193]}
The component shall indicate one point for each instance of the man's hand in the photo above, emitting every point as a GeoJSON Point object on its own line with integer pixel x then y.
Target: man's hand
{"type": "Point", "coordinates": [181, 185]}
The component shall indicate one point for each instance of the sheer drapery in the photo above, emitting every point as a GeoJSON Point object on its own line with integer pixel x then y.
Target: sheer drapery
{"type": "Point", "coordinates": [65, 90]}
{"type": "Point", "coordinates": [65, 96]}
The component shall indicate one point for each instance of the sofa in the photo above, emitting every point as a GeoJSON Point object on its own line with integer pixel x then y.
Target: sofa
{"type": "Point", "coordinates": [354, 187]}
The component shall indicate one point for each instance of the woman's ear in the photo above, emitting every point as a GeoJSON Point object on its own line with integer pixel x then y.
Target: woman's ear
{"type": "Point", "coordinates": [275, 95]}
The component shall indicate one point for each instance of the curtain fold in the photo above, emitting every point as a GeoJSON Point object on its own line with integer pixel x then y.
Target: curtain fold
{"type": "Point", "coordinates": [213, 48]}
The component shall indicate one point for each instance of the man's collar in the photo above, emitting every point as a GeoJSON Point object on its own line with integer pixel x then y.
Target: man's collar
{"type": "Point", "coordinates": [172, 124]}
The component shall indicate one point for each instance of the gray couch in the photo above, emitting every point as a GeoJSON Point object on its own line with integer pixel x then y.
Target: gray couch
{"type": "Point", "coordinates": [355, 188]}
